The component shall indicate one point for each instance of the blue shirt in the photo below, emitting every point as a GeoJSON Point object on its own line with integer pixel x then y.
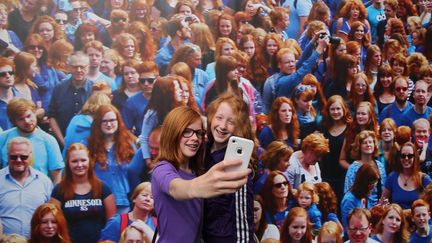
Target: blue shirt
{"type": "Point", "coordinates": [112, 228]}
{"type": "Point", "coordinates": [399, 195]}
{"type": "Point", "coordinates": [410, 115]}
{"type": "Point", "coordinates": [374, 17]}
{"type": "Point", "coordinates": [199, 83]}
{"type": "Point", "coordinates": [349, 202]}
{"type": "Point", "coordinates": [102, 77]}
{"type": "Point", "coordinates": [163, 58]}
{"type": "Point", "coordinates": [415, 238]}
{"type": "Point", "coordinates": [77, 131]}
{"type": "Point", "coordinates": [5, 123]}
{"type": "Point", "coordinates": [392, 111]}
{"type": "Point", "coordinates": [46, 151]}
{"type": "Point", "coordinates": [133, 112]}
{"type": "Point", "coordinates": [18, 202]}
{"type": "Point", "coordinates": [351, 174]}
{"type": "Point", "coordinates": [67, 101]}
{"type": "Point", "coordinates": [115, 177]}
{"type": "Point", "coordinates": [46, 80]}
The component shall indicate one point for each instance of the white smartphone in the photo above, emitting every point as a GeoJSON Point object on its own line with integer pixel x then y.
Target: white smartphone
{"type": "Point", "coordinates": [239, 148]}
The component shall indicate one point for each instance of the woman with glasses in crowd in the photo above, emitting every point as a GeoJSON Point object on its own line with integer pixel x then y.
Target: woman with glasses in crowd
{"type": "Point", "coordinates": [112, 146]}
{"type": "Point", "coordinates": [404, 185]}
{"type": "Point", "coordinates": [178, 181]}
{"type": "Point", "coordinates": [48, 28]}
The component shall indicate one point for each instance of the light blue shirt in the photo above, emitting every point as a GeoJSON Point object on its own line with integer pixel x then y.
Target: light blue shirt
{"type": "Point", "coordinates": [18, 202]}
{"type": "Point", "coordinates": [46, 151]}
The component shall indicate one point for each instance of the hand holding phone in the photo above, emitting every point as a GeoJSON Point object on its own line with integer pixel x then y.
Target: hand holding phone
{"type": "Point", "coordinates": [239, 148]}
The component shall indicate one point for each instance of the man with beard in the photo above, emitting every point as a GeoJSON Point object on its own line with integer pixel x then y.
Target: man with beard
{"type": "Point", "coordinates": [396, 109]}
{"type": "Point", "coordinates": [420, 109]}
{"type": "Point", "coordinates": [7, 91]}
{"type": "Point", "coordinates": [22, 189]}
{"type": "Point", "coordinates": [180, 32]}
{"type": "Point", "coordinates": [47, 156]}
{"type": "Point", "coordinates": [70, 95]}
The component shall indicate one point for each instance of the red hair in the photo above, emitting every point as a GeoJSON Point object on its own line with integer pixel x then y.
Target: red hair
{"type": "Point", "coordinates": [267, 192]}
{"type": "Point", "coordinates": [293, 129]}
{"type": "Point", "coordinates": [62, 234]}
{"type": "Point", "coordinates": [123, 139]}
{"type": "Point", "coordinates": [294, 213]}
{"type": "Point", "coordinates": [67, 184]}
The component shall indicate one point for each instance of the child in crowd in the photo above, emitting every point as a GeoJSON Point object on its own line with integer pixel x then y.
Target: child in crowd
{"type": "Point", "coordinates": [308, 199]}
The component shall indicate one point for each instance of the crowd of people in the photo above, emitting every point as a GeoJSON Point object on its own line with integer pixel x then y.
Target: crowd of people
{"type": "Point", "coordinates": [115, 116]}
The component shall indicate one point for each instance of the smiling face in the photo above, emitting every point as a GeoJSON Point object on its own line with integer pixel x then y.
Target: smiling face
{"type": "Point", "coordinates": [109, 124]}
{"type": "Point", "coordinates": [79, 163]}
{"type": "Point", "coordinates": [362, 115]}
{"type": "Point", "coordinates": [225, 27]}
{"type": "Point", "coordinates": [358, 229]}
{"type": "Point", "coordinates": [48, 226]}
{"type": "Point", "coordinates": [398, 68]}
{"type": "Point", "coordinates": [359, 33]}
{"type": "Point", "coordinates": [19, 159]}
{"type": "Point", "coordinates": [406, 162]}
{"type": "Point", "coordinates": [223, 124]}
{"type": "Point", "coordinates": [336, 111]}
{"type": "Point", "coordinates": [297, 228]}
{"type": "Point", "coordinates": [376, 59]}
{"type": "Point", "coordinates": [190, 146]}
{"type": "Point", "coordinates": [367, 146]}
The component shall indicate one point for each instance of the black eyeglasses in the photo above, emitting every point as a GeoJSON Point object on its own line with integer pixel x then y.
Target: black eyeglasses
{"type": "Point", "coordinates": [407, 156]}
{"type": "Point", "coordinates": [118, 19]}
{"type": "Point", "coordinates": [61, 21]}
{"type": "Point", "coordinates": [187, 133]}
{"type": "Point", "coordinates": [148, 80]}
{"type": "Point", "coordinates": [280, 184]}
{"type": "Point", "coordinates": [3, 74]}
{"type": "Point", "coordinates": [15, 157]}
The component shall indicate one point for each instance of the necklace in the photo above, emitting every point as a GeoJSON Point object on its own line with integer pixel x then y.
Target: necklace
{"type": "Point", "coordinates": [405, 180]}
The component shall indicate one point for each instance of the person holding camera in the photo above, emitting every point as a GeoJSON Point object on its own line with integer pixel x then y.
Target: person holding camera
{"type": "Point", "coordinates": [292, 71]}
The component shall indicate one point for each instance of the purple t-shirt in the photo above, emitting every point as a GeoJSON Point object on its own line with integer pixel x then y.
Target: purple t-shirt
{"type": "Point", "coordinates": [177, 220]}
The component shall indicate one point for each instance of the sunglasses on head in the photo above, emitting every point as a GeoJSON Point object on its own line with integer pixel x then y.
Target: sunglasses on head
{"type": "Point", "coordinates": [407, 156]}
{"type": "Point", "coordinates": [3, 74]}
{"type": "Point", "coordinates": [15, 157]}
{"type": "Point", "coordinates": [118, 19]}
{"type": "Point", "coordinates": [280, 184]}
{"type": "Point", "coordinates": [148, 80]}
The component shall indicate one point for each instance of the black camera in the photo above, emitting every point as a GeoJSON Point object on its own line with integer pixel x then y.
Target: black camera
{"type": "Point", "coordinates": [333, 40]}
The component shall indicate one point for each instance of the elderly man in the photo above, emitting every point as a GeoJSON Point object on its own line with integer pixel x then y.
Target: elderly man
{"type": "Point", "coordinates": [47, 156]}
{"type": "Point", "coordinates": [22, 189]}
{"type": "Point", "coordinates": [70, 95]}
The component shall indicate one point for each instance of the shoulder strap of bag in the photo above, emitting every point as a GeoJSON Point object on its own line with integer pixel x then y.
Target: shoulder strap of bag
{"type": "Point", "coordinates": [124, 220]}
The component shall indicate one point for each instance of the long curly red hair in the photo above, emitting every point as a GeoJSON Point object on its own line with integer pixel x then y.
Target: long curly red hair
{"type": "Point", "coordinates": [123, 139]}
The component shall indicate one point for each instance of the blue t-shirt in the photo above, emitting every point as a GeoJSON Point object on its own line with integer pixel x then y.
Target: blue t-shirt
{"type": "Point", "coordinates": [374, 17]}
{"type": "Point", "coordinates": [84, 214]}
{"type": "Point", "coordinates": [399, 195]}
{"type": "Point", "coordinates": [415, 238]}
{"type": "Point", "coordinates": [112, 228]}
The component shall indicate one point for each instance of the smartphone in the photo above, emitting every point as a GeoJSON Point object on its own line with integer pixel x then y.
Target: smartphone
{"type": "Point", "coordinates": [239, 148]}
